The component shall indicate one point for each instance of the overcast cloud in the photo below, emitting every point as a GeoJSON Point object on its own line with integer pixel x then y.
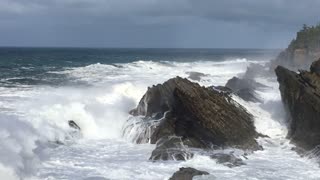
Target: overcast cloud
{"type": "Point", "coordinates": [154, 23]}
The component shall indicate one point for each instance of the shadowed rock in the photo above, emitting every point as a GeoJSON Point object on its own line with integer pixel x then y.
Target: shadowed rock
{"type": "Point", "coordinates": [301, 96]}
{"type": "Point", "coordinates": [236, 83]}
{"type": "Point", "coordinates": [255, 70]}
{"type": "Point", "coordinates": [245, 88]}
{"type": "Point", "coordinates": [201, 117]}
{"type": "Point", "coordinates": [315, 67]}
{"type": "Point", "coordinates": [187, 174]}
{"type": "Point", "coordinates": [196, 76]}
{"type": "Point", "coordinates": [73, 125]}
{"type": "Point", "coordinates": [229, 160]}
{"type": "Point", "coordinates": [171, 148]}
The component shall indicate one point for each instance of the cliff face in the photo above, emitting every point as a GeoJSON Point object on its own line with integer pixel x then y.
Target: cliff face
{"type": "Point", "coordinates": [302, 51]}
{"type": "Point", "coordinates": [301, 97]}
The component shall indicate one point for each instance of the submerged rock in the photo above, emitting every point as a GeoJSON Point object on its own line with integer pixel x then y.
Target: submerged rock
{"type": "Point", "coordinates": [73, 125]}
{"type": "Point", "coordinates": [196, 76]}
{"type": "Point", "coordinates": [171, 148]}
{"type": "Point", "coordinates": [255, 70]}
{"type": "Point", "coordinates": [300, 94]}
{"type": "Point", "coordinates": [187, 174]}
{"type": "Point", "coordinates": [201, 117]}
{"type": "Point", "coordinates": [236, 84]}
{"type": "Point", "coordinates": [229, 160]}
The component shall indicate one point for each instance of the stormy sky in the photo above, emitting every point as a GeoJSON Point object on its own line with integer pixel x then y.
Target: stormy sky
{"type": "Point", "coordinates": [154, 23]}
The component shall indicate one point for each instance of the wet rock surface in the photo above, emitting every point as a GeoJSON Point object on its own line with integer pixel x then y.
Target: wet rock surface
{"type": "Point", "coordinates": [196, 76]}
{"type": "Point", "coordinates": [199, 116]}
{"type": "Point", "coordinates": [171, 148]}
{"type": "Point", "coordinates": [236, 83]}
{"type": "Point", "coordinates": [300, 94]}
{"type": "Point", "coordinates": [73, 125]}
{"type": "Point", "coordinates": [187, 174]}
{"type": "Point", "coordinates": [229, 160]}
{"type": "Point", "coordinates": [315, 67]}
{"type": "Point", "coordinates": [245, 88]}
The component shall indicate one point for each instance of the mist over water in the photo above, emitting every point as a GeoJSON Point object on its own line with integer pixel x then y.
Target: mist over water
{"type": "Point", "coordinates": [51, 87]}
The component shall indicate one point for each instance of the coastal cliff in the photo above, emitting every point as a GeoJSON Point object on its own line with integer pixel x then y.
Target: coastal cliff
{"type": "Point", "coordinates": [302, 51]}
{"type": "Point", "coordinates": [300, 94]}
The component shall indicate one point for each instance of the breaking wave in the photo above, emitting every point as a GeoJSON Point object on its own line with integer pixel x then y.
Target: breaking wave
{"type": "Point", "coordinates": [98, 98]}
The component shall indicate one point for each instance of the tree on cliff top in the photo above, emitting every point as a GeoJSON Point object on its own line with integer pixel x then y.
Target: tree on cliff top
{"type": "Point", "coordinates": [307, 38]}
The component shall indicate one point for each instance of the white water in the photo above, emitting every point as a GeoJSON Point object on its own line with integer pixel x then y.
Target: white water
{"type": "Point", "coordinates": [30, 117]}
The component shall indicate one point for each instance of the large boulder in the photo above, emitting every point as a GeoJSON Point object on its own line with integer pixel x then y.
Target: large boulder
{"type": "Point", "coordinates": [199, 116]}
{"type": "Point", "coordinates": [187, 174]}
{"type": "Point", "coordinates": [300, 94]}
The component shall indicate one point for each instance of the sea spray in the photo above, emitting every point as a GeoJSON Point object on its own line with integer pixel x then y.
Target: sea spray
{"type": "Point", "coordinates": [98, 98]}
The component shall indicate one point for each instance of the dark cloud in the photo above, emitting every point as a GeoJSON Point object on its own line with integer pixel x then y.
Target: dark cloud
{"type": "Point", "coordinates": [154, 23]}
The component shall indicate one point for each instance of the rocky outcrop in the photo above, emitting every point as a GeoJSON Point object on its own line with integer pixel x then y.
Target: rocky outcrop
{"type": "Point", "coordinates": [300, 94]}
{"type": "Point", "coordinates": [229, 160]}
{"type": "Point", "coordinates": [236, 84]}
{"type": "Point", "coordinates": [73, 125]}
{"type": "Point", "coordinates": [196, 76]}
{"type": "Point", "coordinates": [255, 70]}
{"type": "Point", "coordinates": [302, 50]}
{"type": "Point", "coordinates": [187, 174]}
{"type": "Point", "coordinates": [200, 117]}
{"type": "Point", "coordinates": [245, 88]}
{"type": "Point", "coordinates": [171, 148]}
{"type": "Point", "coordinates": [315, 67]}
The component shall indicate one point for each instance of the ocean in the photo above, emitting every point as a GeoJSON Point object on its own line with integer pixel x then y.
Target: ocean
{"type": "Point", "coordinates": [42, 88]}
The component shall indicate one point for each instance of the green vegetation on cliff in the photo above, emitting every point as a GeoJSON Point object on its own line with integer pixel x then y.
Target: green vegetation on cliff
{"type": "Point", "coordinates": [307, 38]}
{"type": "Point", "coordinates": [302, 51]}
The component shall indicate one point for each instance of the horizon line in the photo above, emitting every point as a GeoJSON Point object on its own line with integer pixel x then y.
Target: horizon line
{"type": "Point", "coordinates": [101, 47]}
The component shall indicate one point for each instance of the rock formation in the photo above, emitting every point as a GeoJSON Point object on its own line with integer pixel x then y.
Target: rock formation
{"type": "Point", "coordinates": [196, 76]}
{"type": "Point", "coordinates": [196, 116]}
{"type": "Point", "coordinates": [187, 174]}
{"type": "Point", "coordinates": [300, 94]}
{"type": "Point", "coordinates": [244, 88]}
{"type": "Point", "coordinates": [302, 51]}
{"type": "Point", "coordinates": [229, 160]}
{"type": "Point", "coordinates": [73, 125]}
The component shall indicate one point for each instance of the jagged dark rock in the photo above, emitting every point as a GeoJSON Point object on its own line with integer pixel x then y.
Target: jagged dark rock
{"type": "Point", "coordinates": [255, 70]}
{"type": "Point", "coordinates": [300, 94]}
{"type": "Point", "coordinates": [245, 88]}
{"type": "Point", "coordinates": [171, 148]}
{"type": "Point", "coordinates": [248, 95]}
{"type": "Point", "coordinates": [187, 174]}
{"type": "Point", "coordinates": [315, 67]}
{"type": "Point", "coordinates": [196, 76]}
{"type": "Point", "coordinates": [201, 117]}
{"type": "Point", "coordinates": [236, 84]}
{"type": "Point", "coordinates": [229, 160]}
{"type": "Point", "coordinates": [73, 125]}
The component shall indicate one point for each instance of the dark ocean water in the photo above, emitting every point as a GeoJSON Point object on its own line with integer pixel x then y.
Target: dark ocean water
{"type": "Point", "coordinates": [33, 66]}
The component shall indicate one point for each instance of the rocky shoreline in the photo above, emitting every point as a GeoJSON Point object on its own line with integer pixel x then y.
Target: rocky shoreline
{"type": "Point", "coordinates": [301, 97]}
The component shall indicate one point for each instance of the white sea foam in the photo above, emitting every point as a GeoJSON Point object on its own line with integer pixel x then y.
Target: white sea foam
{"type": "Point", "coordinates": [32, 117]}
